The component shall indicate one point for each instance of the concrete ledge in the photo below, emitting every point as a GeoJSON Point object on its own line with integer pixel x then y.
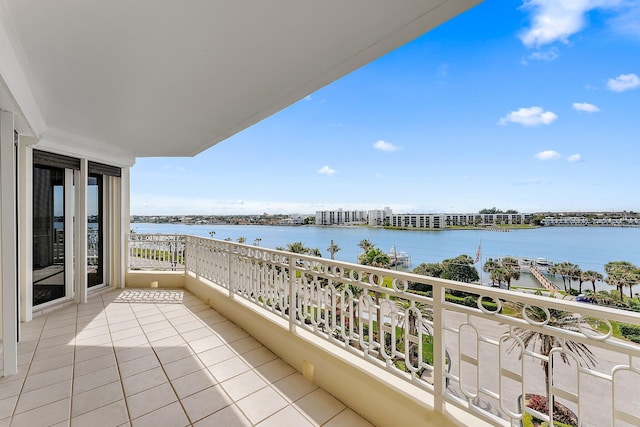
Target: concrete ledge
{"type": "Point", "coordinates": [165, 279]}
{"type": "Point", "coordinates": [374, 393]}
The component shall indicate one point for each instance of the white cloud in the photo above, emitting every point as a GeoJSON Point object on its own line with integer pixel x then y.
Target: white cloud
{"type": "Point", "coordinates": [326, 170]}
{"type": "Point", "coordinates": [574, 158]}
{"type": "Point", "coordinates": [547, 155]}
{"type": "Point", "coordinates": [586, 107]}
{"type": "Point", "coordinates": [308, 98]}
{"type": "Point", "coordinates": [548, 55]}
{"type": "Point", "coordinates": [624, 82]}
{"type": "Point", "coordinates": [385, 146]}
{"type": "Point", "coordinates": [557, 20]}
{"type": "Point", "coordinates": [532, 116]}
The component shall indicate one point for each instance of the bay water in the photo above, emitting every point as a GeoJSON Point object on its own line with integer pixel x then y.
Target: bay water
{"type": "Point", "coordinates": [589, 247]}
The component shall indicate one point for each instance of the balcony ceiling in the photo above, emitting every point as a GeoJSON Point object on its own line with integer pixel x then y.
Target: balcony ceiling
{"type": "Point", "coordinates": [173, 78]}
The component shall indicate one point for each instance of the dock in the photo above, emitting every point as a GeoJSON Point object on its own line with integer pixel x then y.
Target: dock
{"type": "Point", "coordinates": [542, 280]}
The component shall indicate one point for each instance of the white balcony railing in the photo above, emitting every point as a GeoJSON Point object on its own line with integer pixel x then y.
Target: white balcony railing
{"type": "Point", "coordinates": [479, 351]}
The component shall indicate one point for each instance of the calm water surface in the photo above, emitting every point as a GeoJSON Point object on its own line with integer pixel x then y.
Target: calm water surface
{"type": "Point", "coordinates": [589, 247]}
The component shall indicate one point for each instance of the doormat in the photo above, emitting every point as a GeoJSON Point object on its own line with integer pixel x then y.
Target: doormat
{"type": "Point", "coordinates": [151, 296]}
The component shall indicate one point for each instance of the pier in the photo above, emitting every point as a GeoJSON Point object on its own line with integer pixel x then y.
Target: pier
{"type": "Point", "coordinates": [542, 280]}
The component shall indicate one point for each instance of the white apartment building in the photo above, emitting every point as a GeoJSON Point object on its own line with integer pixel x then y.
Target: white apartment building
{"type": "Point", "coordinates": [341, 217]}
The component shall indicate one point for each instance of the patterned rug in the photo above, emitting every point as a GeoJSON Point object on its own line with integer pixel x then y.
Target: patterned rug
{"type": "Point", "coordinates": [155, 296]}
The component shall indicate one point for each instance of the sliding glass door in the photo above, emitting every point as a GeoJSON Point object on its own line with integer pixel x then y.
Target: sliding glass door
{"type": "Point", "coordinates": [95, 230]}
{"type": "Point", "coordinates": [50, 188]}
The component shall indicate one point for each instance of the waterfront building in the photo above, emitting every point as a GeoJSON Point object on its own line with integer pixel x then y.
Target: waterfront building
{"type": "Point", "coordinates": [457, 220]}
{"type": "Point", "coordinates": [341, 217]}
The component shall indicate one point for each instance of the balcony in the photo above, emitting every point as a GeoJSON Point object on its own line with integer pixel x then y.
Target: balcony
{"type": "Point", "coordinates": [255, 334]}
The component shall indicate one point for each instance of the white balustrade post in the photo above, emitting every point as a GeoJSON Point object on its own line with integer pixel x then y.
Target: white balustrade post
{"type": "Point", "coordinates": [229, 266]}
{"type": "Point", "coordinates": [292, 297]}
{"type": "Point", "coordinates": [439, 357]}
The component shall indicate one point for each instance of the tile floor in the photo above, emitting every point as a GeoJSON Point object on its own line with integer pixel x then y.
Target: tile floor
{"type": "Point", "coordinates": [141, 358]}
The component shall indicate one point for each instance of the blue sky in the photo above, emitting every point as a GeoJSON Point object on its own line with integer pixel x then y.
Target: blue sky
{"type": "Point", "coordinates": [533, 106]}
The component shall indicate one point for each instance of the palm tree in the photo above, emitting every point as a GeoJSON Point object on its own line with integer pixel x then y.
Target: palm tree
{"type": "Point", "coordinates": [365, 245]}
{"type": "Point", "coordinates": [502, 270]}
{"type": "Point", "coordinates": [241, 239]}
{"type": "Point", "coordinates": [567, 271]}
{"type": "Point", "coordinates": [543, 343]}
{"type": "Point", "coordinates": [590, 276]}
{"type": "Point", "coordinates": [621, 274]}
{"type": "Point", "coordinates": [375, 257]}
{"type": "Point", "coordinates": [489, 266]}
{"type": "Point", "coordinates": [257, 241]}
{"type": "Point", "coordinates": [314, 252]}
{"type": "Point", "coordinates": [332, 249]}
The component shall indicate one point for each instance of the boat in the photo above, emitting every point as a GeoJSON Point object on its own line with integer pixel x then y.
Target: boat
{"type": "Point", "coordinates": [399, 258]}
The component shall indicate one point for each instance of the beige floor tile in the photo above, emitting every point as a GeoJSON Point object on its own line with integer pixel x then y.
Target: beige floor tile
{"type": "Point", "coordinates": [136, 366]}
{"type": "Point", "coordinates": [45, 415]}
{"type": "Point", "coordinates": [168, 355]}
{"type": "Point", "coordinates": [287, 417]}
{"type": "Point", "coordinates": [28, 347]}
{"type": "Point", "coordinates": [126, 333]}
{"type": "Point", "coordinates": [204, 344]}
{"type": "Point", "coordinates": [275, 370]}
{"type": "Point", "coordinates": [96, 398]}
{"type": "Point", "coordinates": [151, 319]}
{"type": "Point", "coordinates": [43, 379]}
{"type": "Point", "coordinates": [121, 326]}
{"type": "Point", "coordinates": [258, 357]}
{"type": "Point", "coordinates": [294, 387]}
{"type": "Point", "coordinates": [245, 344]}
{"type": "Point", "coordinates": [43, 396]}
{"type": "Point", "coordinates": [5, 422]}
{"type": "Point", "coordinates": [261, 404]}
{"type": "Point", "coordinates": [10, 388]}
{"type": "Point", "coordinates": [49, 332]}
{"type": "Point", "coordinates": [319, 406]}
{"type": "Point", "coordinates": [113, 414]}
{"type": "Point", "coordinates": [197, 334]}
{"type": "Point", "coordinates": [150, 400]}
{"type": "Point", "coordinates": [171, 415]}
{"type": "Point", "coordinates": [136, 341]}
{"type": "Point", "coordinates": [205, 402]}
{"type": "Point", "coordinates": [88, 353]}
{"type": "Point", "coordinates": [86, 334]}
{"type": "Point", "coordinates": [243, 385]}
{"type": "Point", "coordinates": [60, 350]}
{"type": "Point", "coordinates": [48, 364]}
{"type": "Point", "coordinates": [143, 381]}
{"type": "Point", "coordinates": [229, 416]}
{"type": "Point", "coordinates": [348, 418]}
{"type": "Point", "coordinates": [156, 326]}
{"type": "Point", "coordinates": [216, 355]}
{"type": "Point", "coordinates": [182, 367]}
{"type": "Point", "coordinates": [66, 339]}
{"type": "Point", "coordinates": [95, 379]}
{"type": "Point", "coordinates": [231, 335]}
{"type": "Point", "coordinates": [228, 369]}
{"type": "Point", "coordinates": [193, 383]}
{"type": "Point", "coordinates": [126, 354]}
{"type": "Point", "coordinates": [166, 343]}
{"type": "Point", "coordinates": [186, 323]}
{"type": "Point", "coordinates": [161, 334]}
{"type": "Point", "coordinates": [93, 365]}
{"type": "Point", "coordinates": [7, 406]}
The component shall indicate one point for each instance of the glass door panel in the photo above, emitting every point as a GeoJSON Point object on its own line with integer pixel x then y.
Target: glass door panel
{"type": "Point", "coordinates": [95, 221]}
{"type": "Point", "coordinates": [48, 234]}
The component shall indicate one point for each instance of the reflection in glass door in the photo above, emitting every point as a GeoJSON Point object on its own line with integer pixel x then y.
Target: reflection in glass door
{"type": "Point", "coordinates": [48, 234]}
{"type": "Point", "coordinates": [95, 220]}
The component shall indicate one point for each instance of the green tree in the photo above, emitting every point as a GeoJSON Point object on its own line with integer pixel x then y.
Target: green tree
{"type": "Point", "coordinates": [365, 245]}
{"type": "Point", "coordinates": [567, 271]}
{"type": "Point", "coordinates": [241, 239]}
{"type": "Point", "coordinates": [460, 268]}
{"type": "Point", "coordinates": [375, 257]}
{"type": "Point", "coordinates": [332, 249]}
{"type": "Point", "coordinates": [489, 266]}
{"type": "Point", "coordinates": [590, 276]}
{"type": "Point", "coordinates": [433, 269]}
{"type": "Point", "coordinates": [621, 274]}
